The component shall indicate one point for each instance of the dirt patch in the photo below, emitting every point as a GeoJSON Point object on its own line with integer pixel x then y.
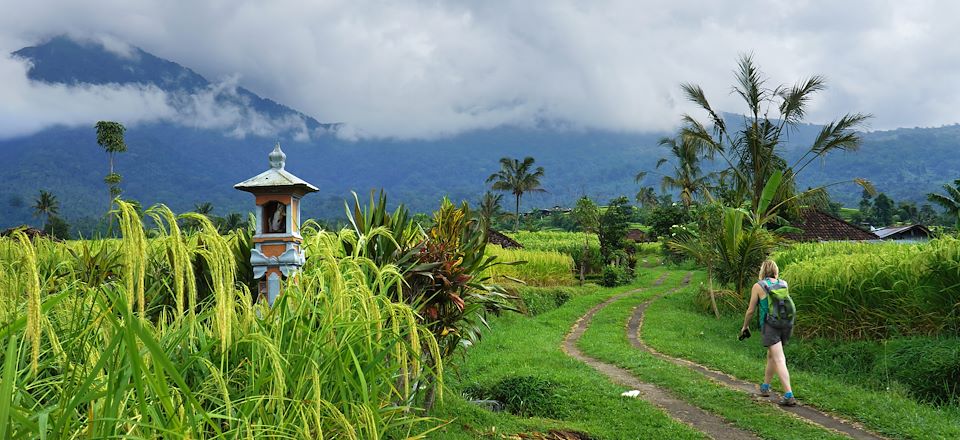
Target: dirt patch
{"type": "Point", "coordinates": [810, 414]}
{"type": "Point", "coordinates": [680, 410]}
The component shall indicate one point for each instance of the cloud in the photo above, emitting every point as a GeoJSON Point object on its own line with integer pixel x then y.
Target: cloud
{"type": "Point", "coordinates": [427, 69]}
{"type": "Point", "coordinates": [31, 106]}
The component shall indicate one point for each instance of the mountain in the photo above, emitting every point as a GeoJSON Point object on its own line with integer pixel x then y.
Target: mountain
{"type": "Point", "coordinates": [182, 163]}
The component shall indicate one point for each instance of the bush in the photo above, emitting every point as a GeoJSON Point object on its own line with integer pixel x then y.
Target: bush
{"type": "Point", "coordinates": [929, 367]}
{"type": "Point", "coordinates": [614, 275]}
{"type": "Point", "coordinates": [729, 303]}
{"type": "Point", "coordinates": [527, 396]}
{"type": "Point", "coordinates": [537, 300]}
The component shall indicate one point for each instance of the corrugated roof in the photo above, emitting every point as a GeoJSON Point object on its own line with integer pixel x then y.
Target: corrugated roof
{"type": "Point", "coordinates": [276, 176]}
{"type": "Point", "coordinates": [894, 230]}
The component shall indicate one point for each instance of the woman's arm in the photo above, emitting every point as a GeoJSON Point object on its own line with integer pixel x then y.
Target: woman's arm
{"type": "Point", "coordinates": [754, 298]}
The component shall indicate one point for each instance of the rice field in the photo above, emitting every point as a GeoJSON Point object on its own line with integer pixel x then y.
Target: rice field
{"type": "Point", "coordinates": [120, 338]}
{"type": "Point", "coordinates": [875, 290]}
{"type": "Point", "coordinates": [540, 267]}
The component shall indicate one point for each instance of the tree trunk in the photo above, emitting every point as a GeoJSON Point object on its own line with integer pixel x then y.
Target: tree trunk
{"type": "Point", "coordinates": [713, 298]}
{"type": "Point", "coordinates": [516, 222]}
{"type": "Point", "coordinates": [583, 259]}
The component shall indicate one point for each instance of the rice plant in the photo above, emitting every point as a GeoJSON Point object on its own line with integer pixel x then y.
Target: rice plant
{"type": "Point", "coordinates": [539, 268]}
{"type": "Point", "coordinates": [134, 351]}
{"type": "Point", "coordinates": [875, 290]}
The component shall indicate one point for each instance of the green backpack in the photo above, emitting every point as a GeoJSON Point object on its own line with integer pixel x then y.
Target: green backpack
{"type": "Point", "coordinates": [782, 312]}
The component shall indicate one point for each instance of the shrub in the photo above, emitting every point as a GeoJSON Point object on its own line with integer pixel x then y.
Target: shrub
{"type": "Point", "coordinates": [527, 396]}
{"type": "Point", "coordinates": [614, 275]}
{"type": "Point", "coordinates": [537, 300]}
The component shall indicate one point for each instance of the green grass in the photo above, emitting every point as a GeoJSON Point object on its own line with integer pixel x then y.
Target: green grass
{"type": "Point", "coordinates": [522, 346]}
{"type": "Point", "coordinates": [673, 327]}
{"type": "Point", "coordinates": [606, 339]}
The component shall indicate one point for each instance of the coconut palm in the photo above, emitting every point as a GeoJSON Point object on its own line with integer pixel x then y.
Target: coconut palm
{"type": "Point", "coordinates": [751, 151]}
{"type": "Point", "coordinates": [204, 209]}
{"type": "Point", "coordinates": [46, 205]}
{"type": "Point", "coordinates": [647, 197]}
{"type": "Point", "coordinates": [110, 137]}
{"type": "Point", "coordinates": [687, 176]}
{"type": "Point", "coordinates": [516, 177]}
{"type": "Point", "coordinates": [949, 201]}
{"type": "Point", "coordinates": [489, 208]}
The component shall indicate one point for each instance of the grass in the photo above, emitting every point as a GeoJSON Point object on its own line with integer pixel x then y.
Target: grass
{"type": "Point", "coordinates": [606, 339]}
{"type": "Point", "coordinates": [674, 327]}
{"type": "Point", "coordinates": [522, 346]}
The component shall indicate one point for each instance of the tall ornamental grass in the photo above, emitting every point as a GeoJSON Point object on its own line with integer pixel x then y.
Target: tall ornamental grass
{"type": "Point", "coordinates": [875, 290]}
{"type": "Point", "coordinates": [134, 352]}
{"type": "Point", "coordinates": [539, 268]}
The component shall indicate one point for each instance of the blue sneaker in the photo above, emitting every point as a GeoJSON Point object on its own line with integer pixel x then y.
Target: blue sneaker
{"type": "Point", "coordinates": [788, 400]}
{"type": "Point", "coordinates": [765, 390]}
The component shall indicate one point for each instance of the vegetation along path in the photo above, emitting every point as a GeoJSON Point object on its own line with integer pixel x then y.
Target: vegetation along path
{"type": "Point", "coordinates": [635, 325]}
{"type": "Point", "coordinates": [700, 419]}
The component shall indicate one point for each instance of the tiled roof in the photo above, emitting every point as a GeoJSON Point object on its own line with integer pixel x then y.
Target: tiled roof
{"type": "Point", "coordinates": [494, 237]}
{"type": "Point", "coordinates": [821, 226]}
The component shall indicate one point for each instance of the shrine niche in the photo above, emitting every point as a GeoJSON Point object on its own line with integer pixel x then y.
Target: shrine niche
{"type": "Point", "coordinates": [277, 253]}
{"type": "Point", "coordinates": [274, 217]}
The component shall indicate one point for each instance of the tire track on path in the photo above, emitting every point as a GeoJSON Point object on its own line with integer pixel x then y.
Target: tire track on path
{"type": "Point", "coordinates": [810, 414]}
{"type": "Point", "coordinates": [704, 421]}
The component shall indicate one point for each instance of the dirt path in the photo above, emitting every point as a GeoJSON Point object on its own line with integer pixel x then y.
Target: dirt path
{"type": "Point", "coordinates": [808, 413]}
{"type": "Point", "coordinates": [707, 422]}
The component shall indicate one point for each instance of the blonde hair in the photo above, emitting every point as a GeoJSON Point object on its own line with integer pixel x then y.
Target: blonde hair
{"type": "Point", "coordinates": [769, 269]}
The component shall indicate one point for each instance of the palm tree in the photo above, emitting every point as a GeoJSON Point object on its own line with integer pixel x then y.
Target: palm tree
{"type": "Point", "coordinates": [647, 197]}
{"type": "Point", "coordinates": [46, 204]}
{"type": "Point", "coordinates": [587, 215]}
{"type": "Point", "coordinates": [687, 175]}
{"type": "Point", "coordinates": [950, 201]}
{"type": "Point", "coordinates": [489, 208]}
{"type": "Point", "coordinates": [110, 137]}
{"type": "Point", "coordinates": [516, 177]}
{"type": "Point", "coordinates": [751, 151]}
{"type": "Point", "coordinates": [204, 209]}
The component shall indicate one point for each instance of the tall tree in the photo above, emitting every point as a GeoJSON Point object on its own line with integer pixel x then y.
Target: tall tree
{"type": "Point", "coordinates": [949, 201]}
{"type": "Point", "coordinates": [751, 150]}
{"type": "Point", "coordinates": [489, 208]}
{"type": "Point", "coordinates": [587, 215]}
{"type": "Point", "coordinates": [687, 175]}
{"type": "Point", "coordinates": [883, 210]}
{"type": "Point", "coordinates": [110, 138]}
{"type": "Point", "coordinates": [517, 178]}
{"type": "Point", "coordinates": [46, 205]}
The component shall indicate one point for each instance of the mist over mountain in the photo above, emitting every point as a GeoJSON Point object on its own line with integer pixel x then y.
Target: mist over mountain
{"type": "Point", "coordinates": [209, 135]}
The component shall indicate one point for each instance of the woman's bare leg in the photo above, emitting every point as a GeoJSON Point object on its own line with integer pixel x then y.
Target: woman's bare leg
{"type": "Point", "coordinates": [768, 372]}
{"type": "Point", "coordinates": [780, 365]}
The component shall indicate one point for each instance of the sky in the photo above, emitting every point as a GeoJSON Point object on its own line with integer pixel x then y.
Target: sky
{"type": "Point", "coordinates": [427, 69]}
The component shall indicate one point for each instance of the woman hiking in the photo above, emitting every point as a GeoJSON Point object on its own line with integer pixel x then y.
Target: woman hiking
{"type": "Point", "coordinates": [777, 313]}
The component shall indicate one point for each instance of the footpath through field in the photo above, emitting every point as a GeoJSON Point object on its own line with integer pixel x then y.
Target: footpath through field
{"type": "Point", "coordinates": [707, 422]}
{"type": "Point", "coordinates": [634, 327]}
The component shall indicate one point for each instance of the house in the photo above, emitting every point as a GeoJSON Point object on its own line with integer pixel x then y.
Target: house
{"type": "Point", "coordinates": [818, 225]}
{"type": "Point", "coordinates": [637, 236]}
{"type": "Point", "coordinates": [555, 210]}
{"type": "Point", "coordinates": [903, 233]}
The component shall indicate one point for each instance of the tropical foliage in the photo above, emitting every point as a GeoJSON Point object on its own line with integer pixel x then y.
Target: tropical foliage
{"type": "Point", "coordinates": [109, 338]}
{"type": "Point", "coordinates": [517, 178]}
